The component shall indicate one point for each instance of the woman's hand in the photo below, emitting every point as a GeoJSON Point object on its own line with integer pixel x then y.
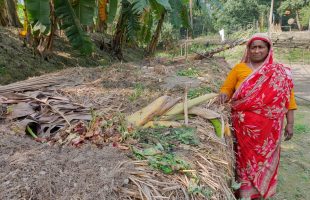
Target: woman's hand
{"type": "Point", "coordinates": [289, 131]}
{"type": "Point", "coordinates": [289, 128]}
{"type": "Point", "coordinates": [223, 98]}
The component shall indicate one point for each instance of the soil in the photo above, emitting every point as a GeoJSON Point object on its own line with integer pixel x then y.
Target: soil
{"type": "Point", "coordinates": [18, 61]}
{"type": "Point", "coordinates": [29, 170]}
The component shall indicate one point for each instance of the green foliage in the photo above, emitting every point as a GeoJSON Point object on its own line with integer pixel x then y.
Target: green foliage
{"type": "Point", "coordinates": [169, 36]}
{"type": "Point", "coordinates": [112, 10]}
{"type": "Point", "coordinates": [165, 4]}
{"type": "Point", "coordinates": [291, 5]}
{"type": "Point", "coordinates": [159, 144]}
{"type": "Point", "coordinates": [195, 188]}
{"type": "Point", "coordinates": [146, 30]}
{"type": "Point", "coordinates": [168, 137]}
{"type": "Point", "coordinates": [236, 14]}
{"type": "Point", "coordinates": [305, 15]}
{"type": "Point", "coordinates": [190, 72]}
{"type": "Point", "coordinates": [179, 14]}
{"type": "Point", "coordinates": [20, 12]}
{"type": "Point", "coordinates": [138, 91]}
{"type": "Point", "coordinates": [140, 5]}
{"type": "Point", "coordinates": [196, 92]}
{"type": "Point", "coordinates": [38, 12]}
{"type": "Point", "coordinates": [168, 163]}
{"type": "Point", "coordinates": [85, 10]}
{"type": "Point", "coordinates": [72, 27]}
{"type": "Point", "coordinates": [292, 55]}
{"type": "Point", "coordinates": [301, 128]}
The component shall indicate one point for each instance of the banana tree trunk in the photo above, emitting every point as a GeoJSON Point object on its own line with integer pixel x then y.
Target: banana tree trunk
{"type": "Point", "coordinates": [8, 14]}
{"type": "Point", "coordinates": [117, 41]}
{"type": "Point", "coordinates": [53, 26]}
{"type": "Point", "coordinates": [153, 44]}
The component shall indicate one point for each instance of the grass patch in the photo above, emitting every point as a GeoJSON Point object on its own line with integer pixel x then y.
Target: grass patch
{"type": "Point", "coordinates": [189, 72]}
{"type": "Point", "coordinates": [138, 91]}
{"type": "Point", "coordinates": [292, 55]}
{"type": "Point", "coordinates": [196, 92]}
{"type": "Point", "coordinates": [301, 129]}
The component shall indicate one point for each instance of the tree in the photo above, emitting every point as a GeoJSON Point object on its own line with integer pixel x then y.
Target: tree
{"type": "Point", "coordinates": [236, 13]}
{"type": "Point", "coordinates": [294, 6]}
{"type": "Point", "coordinates": [8, 13]}
{"type": "Point", "coordinates": [305, 16]}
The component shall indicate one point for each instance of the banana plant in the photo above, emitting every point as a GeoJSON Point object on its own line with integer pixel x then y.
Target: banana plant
{"type": "Point", "coordinates": [138, 17]}
{"type": "Point", "coordinates": [38, 12]}
{"type": "Point", "coordinates": [84, 10]}
{"type": "Point", "coordinates": [72, 27]}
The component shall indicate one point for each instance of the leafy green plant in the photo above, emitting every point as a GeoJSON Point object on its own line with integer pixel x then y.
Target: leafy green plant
{"type": "Point", "coordinates": [38, 15]}
{"type": "Point", "coordinates": [168, 137]}
{"type": "Point", "coordinates": [305, 15]}
{"type": "Point", "coordinates": [72, 27]}
{"type": "Point", "coordinates": [84, 10]}
{"type": "Point", "coordinates": [168, 163]}
{"type": "Point", "coordinates": [195, 188]}
{"type": "Point", "coordinates": [158, 159]}
{"type": "Point", "coordinates": [190, 72]}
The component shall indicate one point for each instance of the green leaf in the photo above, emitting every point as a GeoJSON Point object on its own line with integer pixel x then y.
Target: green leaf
{"type": "Point", "coordinates": [112, 10]}
{"type": "Point", "coordinates": [85, 11]}
{"type": "Point", "coordinates": [140, 5]}
{"type": "Point", "coordinates": [157, 8]}
{"type": "Point", "coordinates": [72, 27]}
{"type": "Point", "coordinates": [38, 12]}
{"type": "Point", "coordinates": [179, 14]}
{"type": "Point", "coordinates": [165, 4]}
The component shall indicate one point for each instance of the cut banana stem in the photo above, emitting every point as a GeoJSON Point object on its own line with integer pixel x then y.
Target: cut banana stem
{"type": "Point", "coordinates": [179, 108]}
{"type": "Point", "coordinates": [147, 113]}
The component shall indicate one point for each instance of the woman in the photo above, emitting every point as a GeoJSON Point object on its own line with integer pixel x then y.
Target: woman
{"type": "Point", "coordinates": [261, 95]}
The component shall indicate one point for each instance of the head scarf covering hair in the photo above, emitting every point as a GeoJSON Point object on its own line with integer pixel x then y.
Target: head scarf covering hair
{"type": "Point", "coordinates": [263, 37]}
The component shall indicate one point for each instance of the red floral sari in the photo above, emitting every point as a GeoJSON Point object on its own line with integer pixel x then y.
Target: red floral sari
{"type": "Point", "coordinates": [258, 110]}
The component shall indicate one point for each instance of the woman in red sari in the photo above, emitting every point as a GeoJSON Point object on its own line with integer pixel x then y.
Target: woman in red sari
{"type": "Point", "coordinates": [261, 96]}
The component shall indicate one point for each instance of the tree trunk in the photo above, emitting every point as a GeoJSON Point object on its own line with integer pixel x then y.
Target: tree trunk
{"type": "Point", "coordinates": [117, 41]}
{"type": "Point", "coordinates": [53, 26]}
{"type": "Point", "coordinates": [4, 19]}
{"type": "Point", "coordinates": [298, 21]}
{"type": "Point", "coordinates": [8, 14]}
{"type": "Point", "coordinates": [153, 44]}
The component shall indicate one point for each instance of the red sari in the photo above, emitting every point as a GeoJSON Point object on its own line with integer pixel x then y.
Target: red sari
{"type": "Point", "coordinates": [258, 110]}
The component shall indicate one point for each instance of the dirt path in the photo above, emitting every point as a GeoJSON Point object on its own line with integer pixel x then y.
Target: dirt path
{"type": "Point", "coordinates": [301, 75]}
{"type": "Point", "coordinates": [294, 176]}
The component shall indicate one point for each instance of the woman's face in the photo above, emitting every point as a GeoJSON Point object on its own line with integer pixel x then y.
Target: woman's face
{"type": "Point", "coordinates": [258, 51]}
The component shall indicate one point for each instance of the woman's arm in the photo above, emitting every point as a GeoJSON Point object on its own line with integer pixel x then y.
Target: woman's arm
{"type": "Point", "coordinates": [228, 87]}
{"type": "Point", "coordinates": [289, 128]}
